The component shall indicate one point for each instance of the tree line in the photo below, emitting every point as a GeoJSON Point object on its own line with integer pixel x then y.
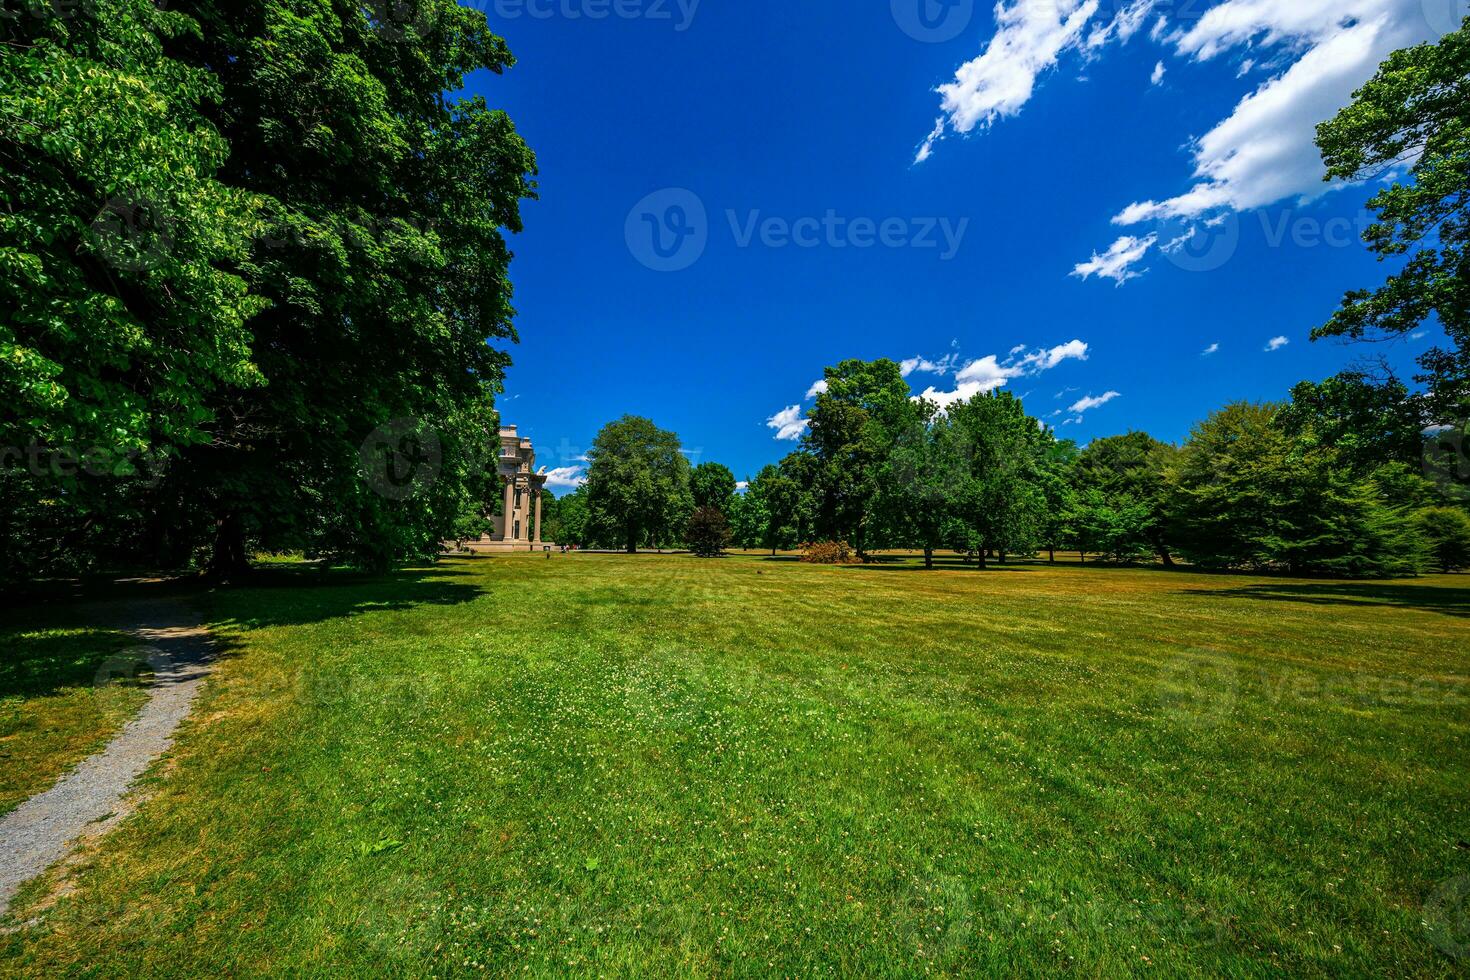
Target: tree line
{"type": "Point", "coordinates": [1330, 482]}
{"type": "Point", "coordinates": [238, 240]}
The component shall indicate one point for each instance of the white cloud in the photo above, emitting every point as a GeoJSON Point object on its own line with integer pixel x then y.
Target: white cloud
{"type": "Point", "coordinates": [1090, 402]}
{"type": "Point", "coordinates": [988, 373]}
{"type": "Point", "coordinates": [742, 485]}
{"type": "Point", "coordinates": [1118, 261]}
{"type": "Point", "coordinates": [1045, 360]}
{"type": "Point", "coordinates": [922, 364]}
{"type": "Point", "coordinates": [1212, 349]}
{"type": "Point", "coordinates": [1264, 151]}
{"type": "Point", "coordinates": [818, 387]}
{"type": "Point", "coordinates": [565, 478]}
{"type": "Point", "coordinates": [1276, 343]}
{"type": "Point", "coordinates": [1029, 37]}
{"type": "Point", "coordinates": [1158, 75]}
{"type": "Point", "coordinates": [788, 423]}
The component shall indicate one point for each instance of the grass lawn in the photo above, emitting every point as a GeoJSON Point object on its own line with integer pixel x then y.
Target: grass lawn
{"type": "Point", "coordinates": [65, 689]}
{"type": "Point", "coordinates": [661, 766]}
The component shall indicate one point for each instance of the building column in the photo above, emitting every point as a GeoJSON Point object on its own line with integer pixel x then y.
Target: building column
{"type": "Point", "coordinates": [537, 538]}
{"type": "Point", "coordinates": [508, 525]}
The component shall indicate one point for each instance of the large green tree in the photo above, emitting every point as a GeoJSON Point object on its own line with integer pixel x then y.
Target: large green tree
{"type": "Point", "coordinates": [637, 485]}
{"type": "Point", "coordinates": [1248, 495]}
{"type": "Point", "coordinates": [771, 510]}
{"type": "Point", "coordinates": [852, 427]}
{"type": "Point", "coordinates": [1002, 506]}
{"type": "Point", "coordinates": [924, 480]}
{"type": "Point", "coordinates": [120, 322]}
{"type": "Point", "coordinates": [1415, 111]}
{"type": "Point", "coordinates": [1121, 481]}
{"type": "Point", "coordinates": [383, 258]}
{"type": "Point", "coordinates": [712, 485]}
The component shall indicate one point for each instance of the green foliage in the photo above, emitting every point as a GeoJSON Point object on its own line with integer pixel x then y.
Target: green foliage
{"type": "Point", "coordinates": [1368, 423]}
{"type": "Point", "coordinates": [300, 243]}
{"type": "Point", "coordinates": [572, 519]}
{"type": "Point", "coordinates": [1417, 107]}
{"type": "Point", "coordinates": [637, 485]}
{"type": "Point", "coordinates": [769, 513]}
{"type": "Point", "coordinates": [709, 532]}
{"type": "Point", "coordinates": [852, 426]}
{"type": "Point", "coordinates": [1121, 496]}
{"type": "Point", "coordinates": [1249, 496]}
{"type": "Point", "coordinates": [1001, 503]}
{"type": "Point", "coordinates": [712, 485]}
{"type": "Point", "coordinates": [1446, 531]}
{"type": "Point", "coordinates": [119, 321]}
{"type": "Point", "coordinates": [925, 481]}
{"type": "Point", "coordinates": [383, 257]}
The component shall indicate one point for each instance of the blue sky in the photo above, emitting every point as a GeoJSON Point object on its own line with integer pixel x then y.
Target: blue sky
{"type": "Point", "coordinates": [1070, 198]}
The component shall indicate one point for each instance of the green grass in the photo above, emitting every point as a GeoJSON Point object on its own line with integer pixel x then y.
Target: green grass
{"type": "Point", "coordinates": [661, 766]}
{"type": "Point", "coordinates": [65, 690]}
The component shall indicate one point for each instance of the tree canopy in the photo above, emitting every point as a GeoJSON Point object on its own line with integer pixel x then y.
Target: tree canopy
{"type": "Point", "coordinates": [637, 485]}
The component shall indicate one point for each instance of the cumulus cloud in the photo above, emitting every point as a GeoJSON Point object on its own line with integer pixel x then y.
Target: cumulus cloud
{"type": "Point", "coordinates": [1118, 261]}
{"type": "Point", "coordinates": [1276, 343]}
{"type": "Point", "coordinates": [1158, 75]}
{"type": "Point", "coordinates": [818, 387]}
{"type": "Point", "coordinates": [788, 423]}
{"type": "Point", "coordinates": [1212, 349]}
{"type": "Point", "coordinates": [565, 478]}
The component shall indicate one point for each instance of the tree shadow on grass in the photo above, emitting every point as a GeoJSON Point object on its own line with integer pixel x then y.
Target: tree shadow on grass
{"type": "Point", "coordinates": [298, 597]}
{"type": "Point", "coordinates": [47, 648]}
{"type": "Point", "coordinates": [43, 659]}
{"type": "Point", "coordinates": [1426, 598]}
{"type": "Point", "coordinates": [940, 565]}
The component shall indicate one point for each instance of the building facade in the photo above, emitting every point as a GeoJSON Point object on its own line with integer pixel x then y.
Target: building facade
{"type": "Point", "coordinates": [518, 525]}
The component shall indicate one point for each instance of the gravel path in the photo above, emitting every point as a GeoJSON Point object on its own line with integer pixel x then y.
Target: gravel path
{"type": "Point", "coordinates": [35, 834]}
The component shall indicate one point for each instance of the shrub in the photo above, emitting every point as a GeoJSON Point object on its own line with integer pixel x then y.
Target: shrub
{"type": "Point", "coordinates": [1447, 532]}
{"type": "Point", "coordinates": [709, 533]}
{"type": "Point", "coordinates": [829, 553]}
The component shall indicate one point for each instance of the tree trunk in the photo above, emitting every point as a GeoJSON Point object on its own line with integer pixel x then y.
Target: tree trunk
{"type": "Point", "coordinates": [1002, 557]}
{"type": "Point", "coordinates": [632, 541]}
{"type": "Point", "coordinates": [981, 557]}
{"type": "Point", "coordinates": [228, 562]}
{"type": "Point", "coordinates": [929, 558]}
{"type": "Point", "coordinates": [1082, 556]}
{"type": "Point", "coordinates": [1167, 558]}
{"type": "Point", "coordinates": [1051, 555]}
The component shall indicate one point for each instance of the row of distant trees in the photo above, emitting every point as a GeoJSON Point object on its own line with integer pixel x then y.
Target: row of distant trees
{"type": "Point", "coordinates": [1333, 481]}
